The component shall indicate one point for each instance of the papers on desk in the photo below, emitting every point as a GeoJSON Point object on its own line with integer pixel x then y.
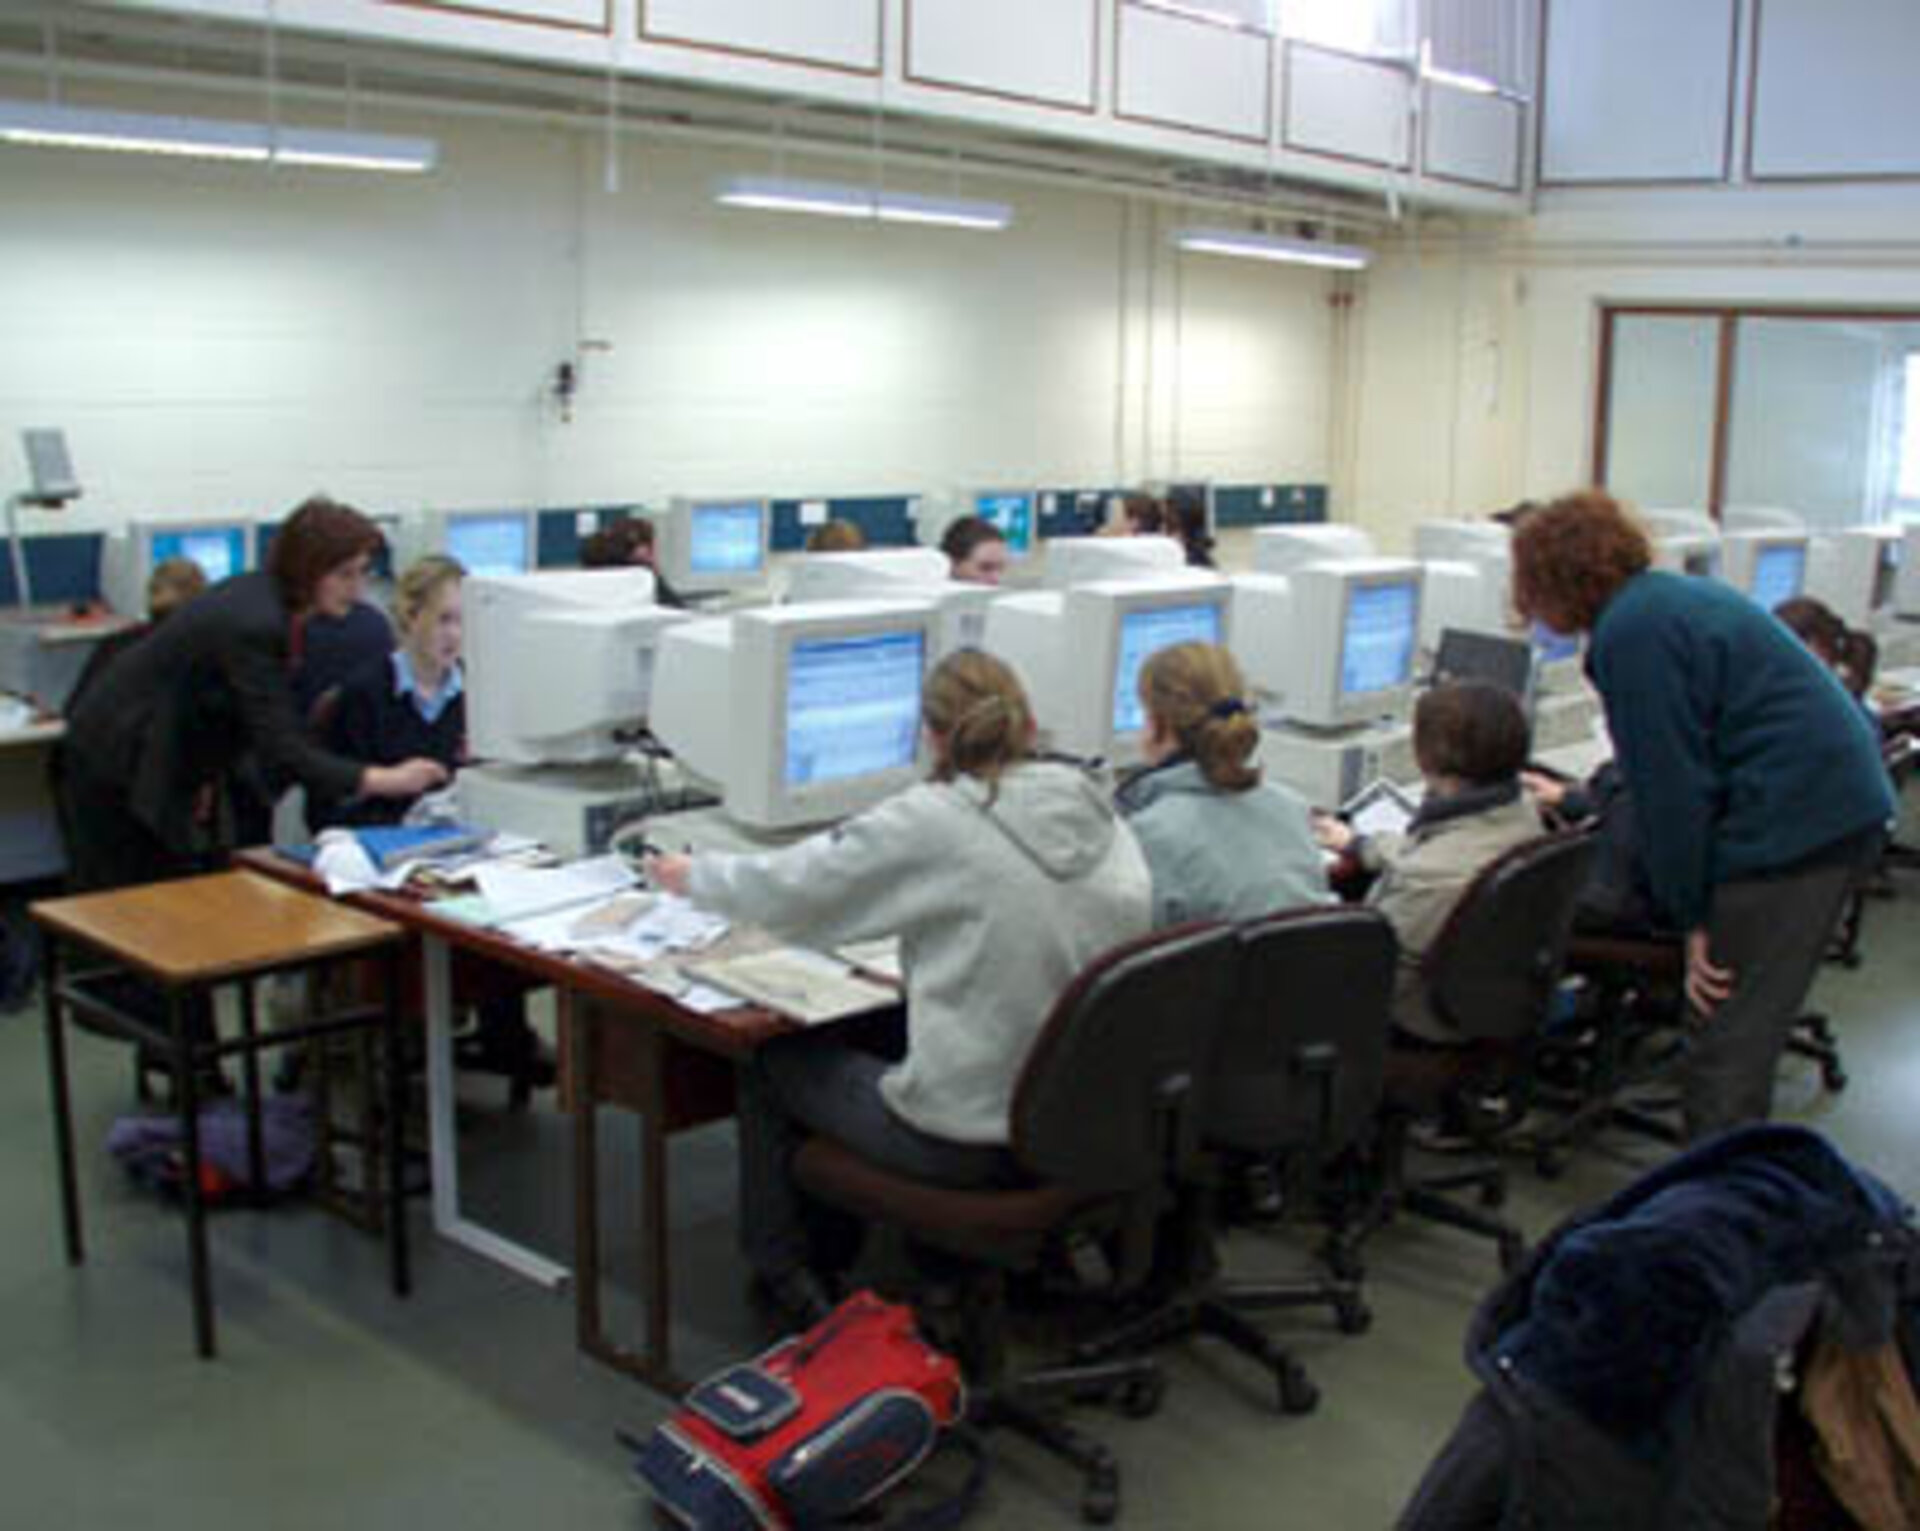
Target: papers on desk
{"type": "Point", "coordinates": [514, 893]}
{"type": "Point", "coordinates": [802, 985]}
{"type": "Point", "coordinates": [628, 928]}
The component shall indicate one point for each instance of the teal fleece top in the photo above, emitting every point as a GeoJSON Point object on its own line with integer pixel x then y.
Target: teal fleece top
{"type": "Point", "coordinates": [1743, 753]}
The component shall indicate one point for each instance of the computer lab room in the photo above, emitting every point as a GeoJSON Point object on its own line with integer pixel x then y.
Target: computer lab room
{"type": "Point", "coordinates": [1021, 763]}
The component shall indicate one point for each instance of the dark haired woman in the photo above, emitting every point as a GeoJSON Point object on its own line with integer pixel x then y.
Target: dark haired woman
{"type": "Point", "coordinates": [976, 551]}
{"type": "Point", "coordinates": [1002, 878]}
{"type": "Point", "coordinates": [1756, 779]}
{"type": "Point", "coordinates": [155, 742]}
{"type": "Point", "coordinates": [1221, 843]}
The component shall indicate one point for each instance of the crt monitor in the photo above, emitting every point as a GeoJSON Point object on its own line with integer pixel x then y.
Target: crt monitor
{"type": "Point", "coordinates": [1013, 511]}
{"type": "Point", "coordinates": [1472, 597]}
{"type": "Point", "coordinates": [1906, 584]}
{"type": "Point", "coordinates": [486, 542]}
{"type": "Point", "coordinates": [1855, 571]}
{"type": "Point", "coordinates": [797, 714]}
{"type": "Point", "coordinates": [914, 574]}
{"type": "Point", "coordinates": [1478, 542]}
{"type": "Point", "coordinates": [1769, 566]}
{"type": "Point", "coordinates": [1694, 554]}
{"type": "Point", "coordinates": [1355, 630]}
{"type": "Point", "coordinates": [1089, 560]}
{"type": "Point", "coordinates": [712, 544]}
{"type": "Point", "coordinates": [1078, 652]}
{"type": "Point", "coordinates": [559, 665]}
{"type": "Point", "coordinates": [222, 549]}
{"type": "Point", "coordinates": [1282, 549]}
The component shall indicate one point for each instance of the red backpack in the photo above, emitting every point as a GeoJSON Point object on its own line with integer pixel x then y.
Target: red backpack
{"type": "Point", "coordinates": [811, 1430]}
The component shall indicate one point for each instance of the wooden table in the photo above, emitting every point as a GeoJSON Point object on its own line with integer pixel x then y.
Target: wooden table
{"type": "Point", "coordinates": [186, 939]}
{"type": "Point", "coordinates": [627, 1046]}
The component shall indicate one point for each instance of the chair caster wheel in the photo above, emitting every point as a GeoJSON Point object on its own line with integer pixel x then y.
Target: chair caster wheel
{"type": "Point", "coordinates": [1100, 1504]}
{"type": "Point", "coordinates": [1298, 1395]}
{"type": "Point", "coordinates": [1513, 1249]}
{"type": "Point", "coordinates": [1142, 1397]}
{"type": "Point", "coordinates": [1354, 1317]}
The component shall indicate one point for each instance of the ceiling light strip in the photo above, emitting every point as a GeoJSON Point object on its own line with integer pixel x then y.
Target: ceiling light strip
{"type": "Point", "coordinates": [837, 199]}
{"type": "Point", "coordinates": [45, 124]}
{"type": "Point", "coordinates": [1246, 244]}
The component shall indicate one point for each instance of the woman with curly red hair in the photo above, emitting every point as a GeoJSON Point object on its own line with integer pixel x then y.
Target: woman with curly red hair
{"type": "Point", "coordinates": [1756, 781]}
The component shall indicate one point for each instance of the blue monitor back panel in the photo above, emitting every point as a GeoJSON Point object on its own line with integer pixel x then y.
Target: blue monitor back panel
{"type": "Point", "coordinates": [1268, 504]}
{"type": "Point", "coordinates": [885, 520]}
{"type": "Point", "coordinates": [63, 568]}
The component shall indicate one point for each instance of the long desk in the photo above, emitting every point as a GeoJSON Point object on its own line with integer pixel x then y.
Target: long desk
{"type": "Point", "coordinates": [626, 1046]}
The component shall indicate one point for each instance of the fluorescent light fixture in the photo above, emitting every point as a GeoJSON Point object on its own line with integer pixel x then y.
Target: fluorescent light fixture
{"type": "Point", "coordinates": [74, 127]}
{"type": "Point", "coordinates": [837, 199]}
{"type": "Point", "coordinates": [1283, 248]}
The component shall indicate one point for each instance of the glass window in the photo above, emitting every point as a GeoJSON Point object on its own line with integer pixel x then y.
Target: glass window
{"type": "Point", "coordinates": [1660, 409]}
{"type": "Point", "coordinates": [1908, 490]}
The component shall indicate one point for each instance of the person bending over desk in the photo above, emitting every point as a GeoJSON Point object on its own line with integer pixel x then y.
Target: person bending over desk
{"type": "Point", "coordinates": [1220, 843]}
{"type": "Point", "coordinates": [172, 722]}
{"type": "Point", "coordinates": [1757, 781]}
{"type": "Point", "coordinates": [1470, 740]}
{"type": "Point", "coordinates": [1002, 877]}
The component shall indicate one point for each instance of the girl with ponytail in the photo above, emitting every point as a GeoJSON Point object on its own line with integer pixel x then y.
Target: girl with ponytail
{"type": "Point", "coordinates": [1220, 843]}
{"type": "Point", "coordinates": [1002, 877]}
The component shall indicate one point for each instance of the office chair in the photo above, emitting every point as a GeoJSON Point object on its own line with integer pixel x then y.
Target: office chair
{"type": "Point", "coordinates": [1103, 1118]}
{"type": "Point", "coordinates": [1491, 975]}
{"type": "Point", "coordinates": [1295, 1076]}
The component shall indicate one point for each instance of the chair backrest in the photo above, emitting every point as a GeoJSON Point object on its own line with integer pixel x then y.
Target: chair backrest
{"type": "Point", "coordinates": [1300, 1062]}
{"type": "Point", "coordinates": [1491, 972]}
{"type": "Point", "coordinates": [1106, 1099]}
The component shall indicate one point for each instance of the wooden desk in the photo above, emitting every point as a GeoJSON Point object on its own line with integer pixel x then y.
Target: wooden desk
{"type": "Point", "coordinates": [628, 1047]}
{"type": "Point", "coordinates": [188, 938]}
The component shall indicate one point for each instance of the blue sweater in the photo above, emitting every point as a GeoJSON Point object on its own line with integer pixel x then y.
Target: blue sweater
{"type": "Point", "coordinates": [1742, 752]}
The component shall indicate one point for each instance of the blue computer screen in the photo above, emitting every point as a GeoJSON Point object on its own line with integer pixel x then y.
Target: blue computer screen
{"type": "Point", "coordinates": [1778, 574]}
{"type": "Point", "coordinates": [853, 706]}
{"type": "Point", "coordinates": [1550, 646]}
{"type": "Point", "coordinates": [1142, 635]}
{"type": "Point", "coordinates": [727, 539]}
{"type": "Point", "coordinates": [220, 551]}
{"type": "Point", "coordinates": [1376, 650]}
{"type": "Point", "coordinates": [490, 544]}
{"type": "Point", "coordinates": [1013, 515]}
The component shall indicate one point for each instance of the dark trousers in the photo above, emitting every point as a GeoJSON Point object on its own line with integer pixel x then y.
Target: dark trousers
{"type": "Point", "coordinates": [828, 1082]}
{"type": "Point", "coordinates": [1772, 932]}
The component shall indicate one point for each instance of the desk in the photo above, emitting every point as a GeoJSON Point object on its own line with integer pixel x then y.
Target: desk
{"type": "Point", "coordinates": [43, 652]}
{"type": "Point", "coordinates": [190, 937]}
{"type": "Point", "coordinates": [627, 1046]}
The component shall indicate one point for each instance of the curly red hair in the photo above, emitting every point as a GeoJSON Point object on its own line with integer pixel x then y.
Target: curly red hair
{"type": "Point", "coordinates": [1571, 557]}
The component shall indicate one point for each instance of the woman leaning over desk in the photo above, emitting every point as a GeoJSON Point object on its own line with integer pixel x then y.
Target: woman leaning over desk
{"type": "Point", "coordinates": [1002, 877]}
{"type": "Point", "coordinates": [172, 721]}
{"type": "Point", "coordinates": [1756, 780]}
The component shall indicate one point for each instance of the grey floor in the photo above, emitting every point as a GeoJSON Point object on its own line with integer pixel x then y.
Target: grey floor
{"type": "Point", "coordinates": [333, 1405]}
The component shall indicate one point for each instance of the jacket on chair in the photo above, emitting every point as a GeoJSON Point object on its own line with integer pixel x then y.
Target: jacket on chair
{"type": "Point", "coordinates": [1634, 1367]}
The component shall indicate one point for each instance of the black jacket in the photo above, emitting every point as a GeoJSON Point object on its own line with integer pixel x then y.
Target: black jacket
{"type": "Point", "coordinates": [1632, 1366]}
{"type": "Point", "coordinates": [185, 706]}
{"type": "Point", "coordinates": [373, 722]}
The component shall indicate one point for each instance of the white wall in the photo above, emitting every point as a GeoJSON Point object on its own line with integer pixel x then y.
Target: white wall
{"type": "Point", "coordinates": [219, 337]}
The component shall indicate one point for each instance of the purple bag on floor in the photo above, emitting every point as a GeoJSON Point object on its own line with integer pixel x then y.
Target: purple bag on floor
{"type": "Point", "coordinates": [149, 1146]}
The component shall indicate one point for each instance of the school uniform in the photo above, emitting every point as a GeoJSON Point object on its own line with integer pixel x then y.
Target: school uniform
{"type": "Point", "coordinates": [381, 718]}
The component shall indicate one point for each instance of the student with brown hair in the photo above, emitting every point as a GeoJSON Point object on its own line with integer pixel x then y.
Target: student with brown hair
{"type": "Point", "coordinates": [1470, 740]}
{"type": "Point", "coordinates": [628, 544]}
{"type": "Point", "coordinates": [836, 537]}
{"type": "Point", "coordinates": [1756, 781]}
{"type": "Point", "coordinates": [173, 582]}
{"type": "Point", "coordinates": [976, 551]}
{"type": "Point", "coordinates": [1220, 843]}
{"type": "Point", "coordinates": [181, 712]}
{"type": "Point", "coordinates": [1002, 877]}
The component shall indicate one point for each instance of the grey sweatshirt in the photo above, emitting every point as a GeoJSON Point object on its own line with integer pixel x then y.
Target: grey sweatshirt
{"type": "Point", "coordinates": [998, 905]}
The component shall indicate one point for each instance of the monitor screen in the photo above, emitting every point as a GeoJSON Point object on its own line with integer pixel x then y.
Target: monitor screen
{"type": "Point", "coordinates": [220, 551]}
{"type": "Point", "coordinates": [490, 544]}
{"type": "Point", "coordinates": [1013, 515]}
{"type": "Point", "coordinates": [853, 706]}
{"type": "Point", "coordinates": [1376, 651]}
{"type": "Point", "coordinates": [726, 539]}
{"type": "Point", "coordinates": [1142, 635]}
{"type": "Point", "coordinates": [1778, 574]}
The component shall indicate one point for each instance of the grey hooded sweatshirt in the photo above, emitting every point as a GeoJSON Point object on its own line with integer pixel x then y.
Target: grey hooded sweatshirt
{"type": "Point", "coordinates": [998, 898]}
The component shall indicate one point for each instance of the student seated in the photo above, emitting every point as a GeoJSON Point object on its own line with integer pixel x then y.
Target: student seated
{"type": "Point", "coordinates": [836, 537]}
{"type": "Point", "coordinates": [1852, 656]}
{"type": "Point", "coordinates": [628, 544]}
{"type": "Point", "coordinates": [1220, 843]}
{"type": "Point", "coordinates": [1138, 515]}
{"type": "Point", "coordinates": [1470, 741]}
{"type": "Point", "coordinates": [1187, 524]}
{"type": "Point", "coordinates": [1002, 877]}
{"type": "Point", "coordinates": [1617, 899]}
{"type": "Point", "coordinates": [173, 582]}
{"type": "Point", "coordinates": [976, 551]}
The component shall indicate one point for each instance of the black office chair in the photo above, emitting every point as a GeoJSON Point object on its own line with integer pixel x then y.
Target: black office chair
{"type": "Point", "coordinates": [1103, 1118]}
{"type": "Point", "coordinates": [1491, 975]}
{"type": "Point", "coordinates": [1295, 1077]}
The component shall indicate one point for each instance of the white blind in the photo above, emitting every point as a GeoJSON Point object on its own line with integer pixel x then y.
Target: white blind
{"type": "Point", "coordinates": [1371, 28]}
{"type": "Point", "coordinates": [1243, 15]}
{"type": "Point", "coordinates": [1484, 40]}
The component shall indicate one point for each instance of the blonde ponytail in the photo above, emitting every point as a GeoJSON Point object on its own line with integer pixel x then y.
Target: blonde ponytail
{"type": "Point", "coordinates": [977, 708]}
